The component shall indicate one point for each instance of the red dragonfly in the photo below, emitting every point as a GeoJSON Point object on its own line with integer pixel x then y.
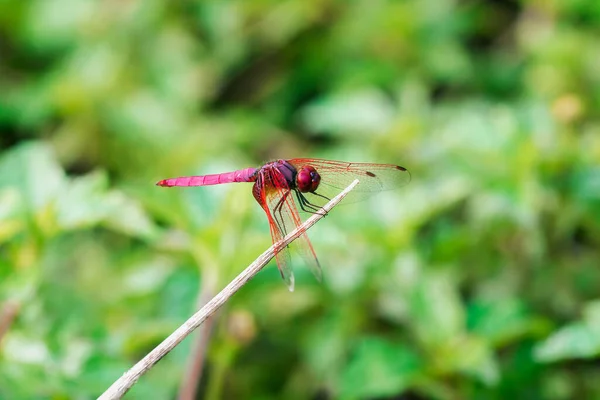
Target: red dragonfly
{"type": "Point", "coordinates": [283, 185]}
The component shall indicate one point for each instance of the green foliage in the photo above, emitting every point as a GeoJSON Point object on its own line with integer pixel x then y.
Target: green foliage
{"type": "Point", "coordinates": [379, 368]}
{"type": "Point", "coordinates": [480, 279]}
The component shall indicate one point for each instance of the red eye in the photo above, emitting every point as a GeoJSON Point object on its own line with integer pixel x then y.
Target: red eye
{"type": "Point", "coordinates": [307, 179]}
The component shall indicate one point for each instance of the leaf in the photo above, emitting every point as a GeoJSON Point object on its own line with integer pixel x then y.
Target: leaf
{"type": "Point", "coordinates": [326, 343]}
{"type": "Point", "coordinates": [579, 339]}
{"type": "Point", "coordinates": [84, 201]}
{"type": "Point", "coordinates": [438, 313]}
{"type": "Point", "coordinates": [33, 170]}
{"type": "Point", "coordinates": [379, 368]}
{"type": "Point", "coordinates": [87, 201]}
{"type": "Point", "coordinates": [499, 321]}
{"type": "Point", "coordinates": [365, 110]}
{"type": "Point", "coordinates": [10, 214]}
{"type": "Point", "coordinates": [471, 355]}
{"type": "Point", "coordinates": [128, 216]}
{"type": "Point", "coordinates": [49, 25]}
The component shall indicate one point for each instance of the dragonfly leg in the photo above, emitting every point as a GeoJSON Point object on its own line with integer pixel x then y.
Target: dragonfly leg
{"type": "Point", "coordinates": [321, 196]}
{"type": "Point", "coordinates": [277, 212]}
{"type": "Point", "coordinates": [306, 205]}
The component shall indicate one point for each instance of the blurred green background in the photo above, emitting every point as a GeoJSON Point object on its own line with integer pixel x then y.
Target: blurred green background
{"type": "Point", "coordinates": [480, 279]}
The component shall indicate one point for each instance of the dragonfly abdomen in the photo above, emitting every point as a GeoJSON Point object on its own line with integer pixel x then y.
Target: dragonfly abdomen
{"type": "Point", "coordinates": [242, 175]}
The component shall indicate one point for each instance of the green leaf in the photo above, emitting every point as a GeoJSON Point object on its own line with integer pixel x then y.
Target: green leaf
{"type": "Point", "coordinates": [379, 368]}
{"type": "Point", "coordinates": [579, 339]}
{"type": "Point", "coordinates": [437, 311]}
{"type": "Point", "coordinates": [84, 202]}
{"type": "Point", "coordinates": [128, 216]}
{"type": "Point", "coordinates": [470, 355]}
{"type": "Point", "coordinates": [10, 214]}
{"type": "Point", "coordinates": [499, 321]}
{"type": "Point", "coordinates": [32, 169]}
{"type": "Point", "coordinates": [365, 110]}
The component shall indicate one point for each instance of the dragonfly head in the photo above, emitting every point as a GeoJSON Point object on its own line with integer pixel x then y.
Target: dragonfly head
{"type": "Point", "coordinates": [307, 179]}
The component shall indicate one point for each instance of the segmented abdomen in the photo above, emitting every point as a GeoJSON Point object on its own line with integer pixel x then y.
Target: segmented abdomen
{"type": "Point", "coordinates": [242, 175]}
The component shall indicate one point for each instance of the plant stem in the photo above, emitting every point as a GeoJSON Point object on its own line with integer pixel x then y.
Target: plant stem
{"type": "Point", "coordinates": [7, 316]}
{"type": "Point", "coordinates": [193, 374]}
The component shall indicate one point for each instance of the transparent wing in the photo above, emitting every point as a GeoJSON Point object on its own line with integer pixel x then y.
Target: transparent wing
{"type": "Point", "coordinates": [337, 175]}
{"type": "Point", "coordinates": [282, 213]}
{"type": "Point", "coordinates": [264, 195]}
{"type": "Point", "coordinates": [286, 216]}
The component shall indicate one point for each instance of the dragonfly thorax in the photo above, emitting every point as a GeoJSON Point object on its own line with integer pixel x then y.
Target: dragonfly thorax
{"type": "Point", "coordinates": [305, 179]}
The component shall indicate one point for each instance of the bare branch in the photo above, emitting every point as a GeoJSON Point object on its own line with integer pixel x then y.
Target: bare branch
{"type": "Point", "coordinates": [129, 378]}
{"type": "Point", "coordinates": [7, 316]}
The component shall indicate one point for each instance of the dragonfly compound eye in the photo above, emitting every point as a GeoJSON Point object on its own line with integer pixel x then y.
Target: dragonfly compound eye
{"type": "Point", "coordinates": [307, 179]}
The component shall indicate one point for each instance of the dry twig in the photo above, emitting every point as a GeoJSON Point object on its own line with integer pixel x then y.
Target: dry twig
{"type": "Point", "coordinates": [7, 316]}
{"type": "Point", "coordinates": [129, 378]}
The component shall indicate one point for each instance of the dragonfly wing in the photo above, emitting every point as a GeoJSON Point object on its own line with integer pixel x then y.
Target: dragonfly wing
{"type": "Point", "coordinates": [337, 175]}
{"type": "Point", "coordinates": [286, 215]}
{"type": "Point", "coordinates": [264, 195]}
{"type": "Point", "coordinates": [282, 256]}
{"type": "Point", "coordinates": [278, 203]}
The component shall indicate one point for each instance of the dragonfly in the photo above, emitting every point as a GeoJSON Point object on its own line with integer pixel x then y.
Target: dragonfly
{"type": "Point", "coordinates": [286, 188]}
